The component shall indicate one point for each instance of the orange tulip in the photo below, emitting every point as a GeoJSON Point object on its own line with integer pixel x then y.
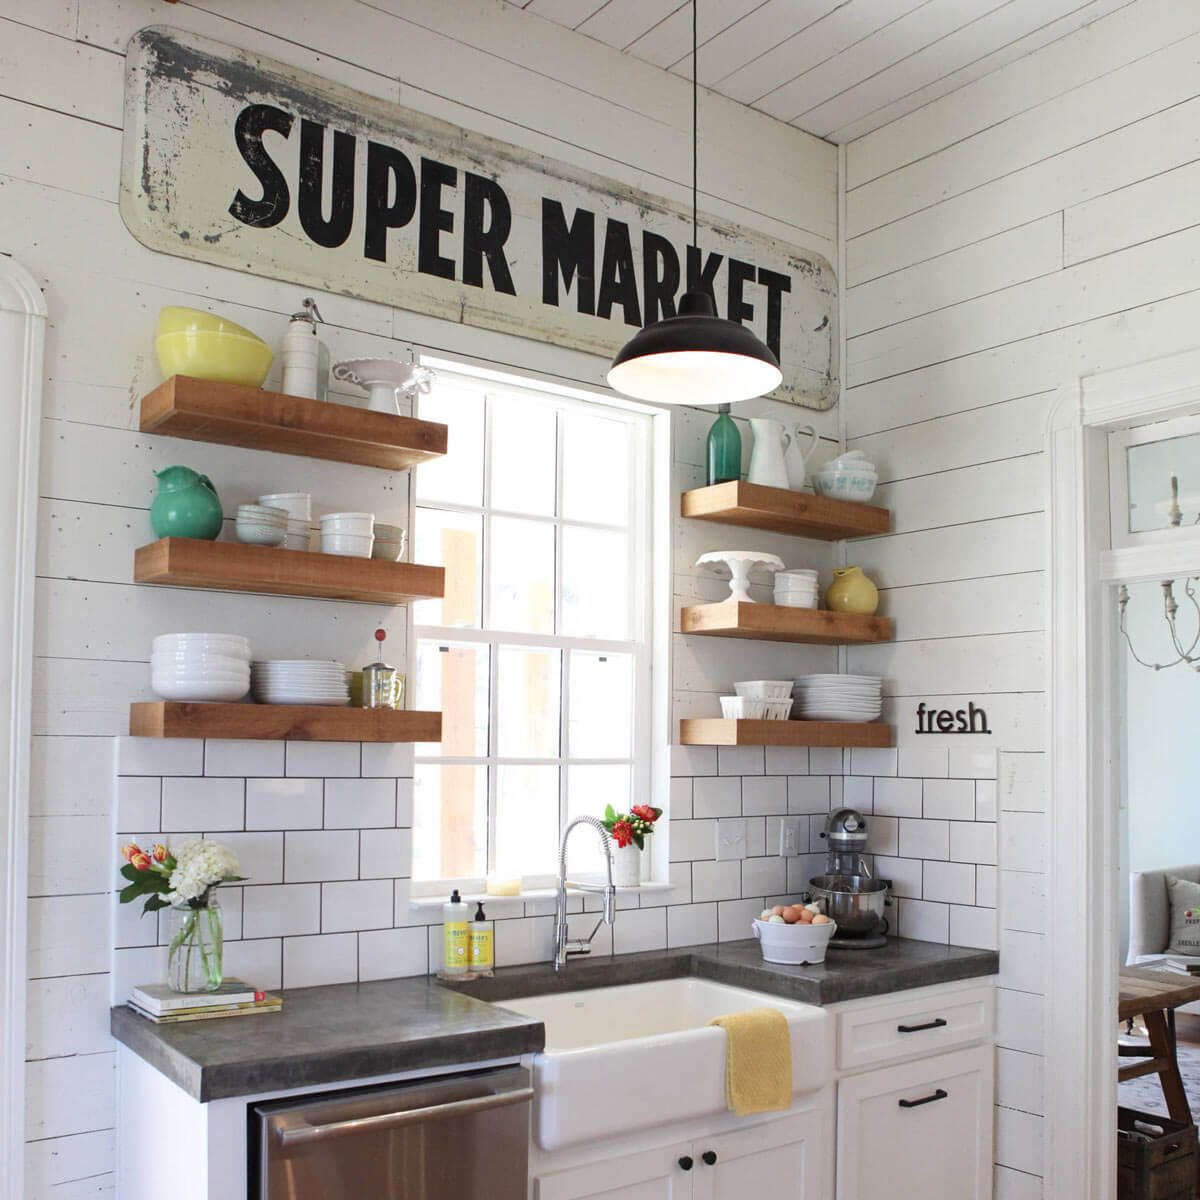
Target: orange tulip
{"type": "Point", "coordinates": [141, 861]}
{"type": "Point", "coordinates": [128, 851]}
{"type": "Point", "coordinates": [160, 853]}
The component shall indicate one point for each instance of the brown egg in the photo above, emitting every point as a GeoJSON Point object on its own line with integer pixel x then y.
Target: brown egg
{"type": "Point", "coordinates": [821, 919]}
{"type": "Point", "coordinates": [779, 909]}
{"type": "Point", "coordinates": [806, 918]}
{"type": "Point", "coordinates": [790, 915]}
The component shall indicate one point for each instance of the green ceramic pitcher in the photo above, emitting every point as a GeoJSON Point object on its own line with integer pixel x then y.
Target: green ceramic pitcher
{"type": "Point", "coordinates": [186, 505]}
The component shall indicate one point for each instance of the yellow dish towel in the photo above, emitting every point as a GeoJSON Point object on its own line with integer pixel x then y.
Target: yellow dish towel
{"type": "Point", "coordinates": [758, 1061]}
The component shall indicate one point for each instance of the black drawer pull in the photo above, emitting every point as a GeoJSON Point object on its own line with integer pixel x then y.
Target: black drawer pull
{"type": "Point", "coordinates": [685, 1163]}
{"type": "Point", "coordinates": [709, 1157]}
{"type": "Point", "coordinates": [940, 1094]}
{"type": "Point", "coordinates": [936, 1023]}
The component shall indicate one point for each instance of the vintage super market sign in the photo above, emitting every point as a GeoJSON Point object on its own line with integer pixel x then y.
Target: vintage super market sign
{"type": "Point", "coordinates": [242, 161]}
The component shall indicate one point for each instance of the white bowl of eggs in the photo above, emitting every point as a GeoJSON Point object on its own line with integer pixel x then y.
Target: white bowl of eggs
{"type": "Point", "coordinates": [794, 933]}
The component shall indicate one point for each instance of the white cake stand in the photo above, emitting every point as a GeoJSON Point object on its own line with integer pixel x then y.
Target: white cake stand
{"type": "Point", "coordinates": [740, 563]}
{"type": "Point", "coordinates": [384, 379]}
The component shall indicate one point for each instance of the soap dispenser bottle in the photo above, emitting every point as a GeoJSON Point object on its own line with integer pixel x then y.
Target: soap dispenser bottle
{"type": "Point", "coordinates": [481, 953]}
{"type": "Point", "coordinates": [456, 918]}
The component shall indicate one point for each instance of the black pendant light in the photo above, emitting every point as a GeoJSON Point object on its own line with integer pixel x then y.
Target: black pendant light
{"type": "Point", "coordinates": [695, 357]}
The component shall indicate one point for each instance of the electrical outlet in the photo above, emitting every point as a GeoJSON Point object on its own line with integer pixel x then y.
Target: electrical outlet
{"type": "Point", "coordinates": [731, 838]}
{"type": "Point", "coordinates": [789, 835]}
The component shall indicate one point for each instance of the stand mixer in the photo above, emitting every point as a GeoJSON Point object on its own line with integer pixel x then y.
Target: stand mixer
{"type": "Point", "coordinates": [852, 896]}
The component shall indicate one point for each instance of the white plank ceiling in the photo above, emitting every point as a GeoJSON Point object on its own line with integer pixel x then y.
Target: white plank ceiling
{"type": "Point", "coordinates": [836, 68]}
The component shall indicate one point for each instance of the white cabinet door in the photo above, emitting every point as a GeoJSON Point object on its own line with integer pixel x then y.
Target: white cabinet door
{"type": "Point", "coordinates": [661, 1174]}
{"type": "Point", "coordinates": [786, 1159]}
{"type": "Point", "coordinates": [921, 1129]}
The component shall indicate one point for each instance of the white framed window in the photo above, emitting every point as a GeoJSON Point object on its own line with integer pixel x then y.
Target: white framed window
{"type": "Point", "coordinates": [540, 656]}
{"type": "Point", "coordinates": [1154, 482]}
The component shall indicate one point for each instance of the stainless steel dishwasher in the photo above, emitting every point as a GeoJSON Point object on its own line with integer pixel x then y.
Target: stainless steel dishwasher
{"type": "Point", "coordinates": [453, 1137]}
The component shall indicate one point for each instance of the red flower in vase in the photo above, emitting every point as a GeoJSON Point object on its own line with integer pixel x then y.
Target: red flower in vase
{"type": "Point", "coordinates": [623, 832]}
{"type": "Point", "coordinates": [647, 814]}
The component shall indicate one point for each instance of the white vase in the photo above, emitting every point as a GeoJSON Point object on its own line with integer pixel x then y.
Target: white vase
{"type": "Point", "coordinates": [767, 466]}
{"type": "Point", "coordinates": [627, 865]}
{"type": "Point", "coordinates": [796, 459]}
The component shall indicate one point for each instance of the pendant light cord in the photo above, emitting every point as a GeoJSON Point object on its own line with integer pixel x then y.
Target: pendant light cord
{"type": "Point", "coordinates": [695, 122]}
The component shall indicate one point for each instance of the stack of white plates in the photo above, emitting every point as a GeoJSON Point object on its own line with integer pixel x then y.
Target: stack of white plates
{"type": "Point", "coordinates": [200, 666]}
{"type": "Point", "coordinates": [300, 681]}
{"type": "Point", "coordinates": [838, 697]}
{"type": "Point", "coordinates": [796, 588]}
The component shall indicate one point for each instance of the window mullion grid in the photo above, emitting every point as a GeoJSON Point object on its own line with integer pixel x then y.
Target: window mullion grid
{"type": "Point", "coordinates": [564, 701]}
{"type": "Point", "coordinates": [485, 614]}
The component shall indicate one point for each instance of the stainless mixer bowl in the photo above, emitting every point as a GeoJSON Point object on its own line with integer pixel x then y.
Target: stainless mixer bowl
{"type": "Point", "coordinates": [855, 902]}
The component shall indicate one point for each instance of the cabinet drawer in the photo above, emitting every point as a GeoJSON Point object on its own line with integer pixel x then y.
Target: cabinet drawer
{"type": "Point", "coordinates": [918, 1129]}
{"type": "Point", "coordinates": [901, 1028]}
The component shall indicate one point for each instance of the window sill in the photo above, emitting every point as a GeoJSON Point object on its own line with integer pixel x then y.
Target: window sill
{"type": "Point", "coordinates": [419, 903]}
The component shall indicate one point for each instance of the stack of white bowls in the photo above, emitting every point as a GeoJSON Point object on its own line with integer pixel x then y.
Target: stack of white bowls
{"type": "Point", "coordinates": [300, 681]}
{"type": "Point", "coordinates": [856, 698]}
{"type": "Point", "coordinates": [298, 506]}
{"type": "Point", "coordinates": [261, 525]}
{"type": "Point", "coordinates": [796, 588]}
{"type": "Point", "coordinates": [850, 477]}
{"type": "Point", "coordinates": [765, 699]}
{"type": "Point", "coordinates": [200, 666]}
{"type": "Point", "coordinates": [390, 542]}
{"type": "Point", "coordinates": [348, 534]}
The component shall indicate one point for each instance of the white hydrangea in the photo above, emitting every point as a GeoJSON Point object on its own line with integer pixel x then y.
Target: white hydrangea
{"type": "Point", "coordinates": [198, 866]}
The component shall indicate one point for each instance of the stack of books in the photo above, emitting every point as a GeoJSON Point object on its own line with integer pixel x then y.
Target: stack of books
{"type": "Point", "coordinates": [234, 998]}
{"type": "Point", "coordinates": [1185, 966]}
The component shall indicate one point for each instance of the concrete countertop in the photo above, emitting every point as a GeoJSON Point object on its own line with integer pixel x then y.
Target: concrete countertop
{"type": "Point", "coordinates": [349, 1031]}
{"type": "Point", "coordinates": [333, 1034]}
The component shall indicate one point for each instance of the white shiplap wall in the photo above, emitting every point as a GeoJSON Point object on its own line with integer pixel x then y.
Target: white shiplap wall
{"type": "Point", "coordinates": [481, 63]}
{"type": "Point", "coordinates": [1035, 226]}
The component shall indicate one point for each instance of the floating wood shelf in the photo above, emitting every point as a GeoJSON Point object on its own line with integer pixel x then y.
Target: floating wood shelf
{"type": "Point", "coordinates": [233, 415]}
{"type": "Point", "coordinates": [782, 511]}
{"type": "Point", "coordinates": [716, 731]}
{"type": "Point", "coordinates": [279, 722]}
{"type": "Point", "coordinates": [233, 567]}
{"type": "Point", "coordinates": [775, 623]}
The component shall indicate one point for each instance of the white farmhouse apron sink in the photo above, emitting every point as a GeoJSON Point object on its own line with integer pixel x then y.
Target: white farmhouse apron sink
{"type": "Point", "coordinates": [643, 1054]}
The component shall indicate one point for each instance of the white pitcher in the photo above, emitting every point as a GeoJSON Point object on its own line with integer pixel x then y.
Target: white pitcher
{"type": "Point", "coordinates": [767, 466]}
{"type": "Point", "coordinates": [796, 459]}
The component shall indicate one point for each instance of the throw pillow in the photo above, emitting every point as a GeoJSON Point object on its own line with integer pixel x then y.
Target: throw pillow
{"type": "Point", "coordinates": [1185, 916]}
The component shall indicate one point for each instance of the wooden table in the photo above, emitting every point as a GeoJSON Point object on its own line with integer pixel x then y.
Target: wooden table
{"type": "Point", "coordinates": [1154, 996]}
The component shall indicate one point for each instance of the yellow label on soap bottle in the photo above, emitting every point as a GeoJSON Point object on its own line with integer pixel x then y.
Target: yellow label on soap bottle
{"type": "Point", "coordinates": [458, 949]}
{"type": "Point", "coordinates": [481, 947]}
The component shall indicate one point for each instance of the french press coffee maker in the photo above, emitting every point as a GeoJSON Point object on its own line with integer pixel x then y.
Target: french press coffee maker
{"type": "Point", "coordinates": [382, 684]}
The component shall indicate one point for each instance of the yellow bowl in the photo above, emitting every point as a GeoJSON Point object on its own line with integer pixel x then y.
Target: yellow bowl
{"type": "Point", "coordinates": [222, 357]}
{"type": "Point", "coordinates": [174, 319]}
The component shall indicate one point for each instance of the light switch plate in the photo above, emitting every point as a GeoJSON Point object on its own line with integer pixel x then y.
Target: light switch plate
{"type": "Point", "coordinates": [789, 835]}
{"type": "Point", "coordinates": [731, 838]}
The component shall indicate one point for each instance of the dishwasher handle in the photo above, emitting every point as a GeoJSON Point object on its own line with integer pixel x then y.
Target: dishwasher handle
{"type": "Point", "coordinates": [305, 1133]}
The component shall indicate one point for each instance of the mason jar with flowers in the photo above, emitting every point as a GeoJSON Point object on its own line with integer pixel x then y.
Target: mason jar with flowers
{"type": "Point", "coordinates": [630, 831]}
{"type": "Point", "coordinates": [184, 882]}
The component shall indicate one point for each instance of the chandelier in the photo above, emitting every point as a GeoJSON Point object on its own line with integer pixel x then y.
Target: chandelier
{"type": "Point", "coordinates": [1170, 609]}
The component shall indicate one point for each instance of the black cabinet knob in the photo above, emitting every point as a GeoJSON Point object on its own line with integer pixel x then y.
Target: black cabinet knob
{"type": "Point", "coordinates": [709, 1157]}
{"type": "Point", "coordinates": [685, 1163]}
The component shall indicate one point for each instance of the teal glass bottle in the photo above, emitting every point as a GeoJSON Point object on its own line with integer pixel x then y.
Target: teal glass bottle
{"type": "Point", "coordinates": [724, 448]}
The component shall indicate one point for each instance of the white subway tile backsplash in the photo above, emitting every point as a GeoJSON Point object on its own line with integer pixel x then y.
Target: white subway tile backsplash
{"type": "Point", "coordinates": [924, 921]}
{"type": "Point", "coordinates": [210, 804]}
{"type": "Point", "coordinates": [640, 929]}
{"type": "Point", "coordinates": [258, 962]}
{"type": "Point", "coordinates": [356, 904]}
{"type": "Point", "coordinates": [392, 953]}
{"type": "Point", "coordinates": [323, 759]}
{"type": "Point", "coordinates": [905, 874]}
{"type": "Point", "coordinates": [680, 803]}
{"type": "Point", "coordinates": [808, 793]}
{"type": "Point", "coordinates": [716, 880]}
{"type": "Point", "coordinates": [285, 803]}
{"type": "Point", "coordinates": [740, 760]}
{"type": "Point", "coordinates": [693, 760]}
{"type": "Point", "coordinates": [924, 762]}
{"type": "Point", "coordinates": [950, 799]}
{"type": "Point", "coordinates": [281, 910]}
{"type": "Point", "coordinates": [951, 882]}
{"type": "Point", "coordinates": [882, 836]}
{"type": "Point", "coordinates": [139, 801]}
{"type": "Point", "coordinates": [313, 961]}
{"type": "Point", "coordinates": [763, 876]}
{"type": "Point", "coordinates": [873, 761]}
{"type": "Point", "coordinates": [858, 791]}
{"type": "Point", "coordinates": [391, 759]}
{"type": "Point", "coordinates": [404, 803]}
{"type": "Point", "coordinates": [320, 855]}
{"type": "Point", "coordinates": [159, 756]}
{"type": "Point", "coordinates": [971, 926]}
{"type": "Point", "coordinates": [691, 840]}
{"type": "Point", "coordinates": [717, 796]}
{"type": "Point", "coordinates": [243, 758]}
{"type": "Point", "coordinates": [824, 760]}
{"type": "Point", "coordinates": [898, 797]}
{"type": "Point", "coordinates": [385, 853]}
{"type": "Point", "coordinates": [525, 940]}
{"type": "Point", "coordinates": [691, 925]}
{"type": "Point", "coordinates": [986, 805]}
{"type": "Point", "coordinates": [260, 855]}
{"type": "Point", "coordinates": [764, 795]}
{"type": "Point", "coordinates": [973, 841]}
{"type": "Point", "coordinates": [756, 836]}
{"type": "Point", "coordinates": [787, 760]}
{"type": "Point", "coordinates": [986, 886]}
{"type": "Point", "coordinates": [735, 918]}
{"type": "Point", "coordinates": [966, 763]}
{"type": "Point", "coordinates": [360, 803]}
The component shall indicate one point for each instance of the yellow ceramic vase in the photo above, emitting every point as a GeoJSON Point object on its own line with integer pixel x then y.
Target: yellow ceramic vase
{"type": "Point", "coordinates": [851, 591]}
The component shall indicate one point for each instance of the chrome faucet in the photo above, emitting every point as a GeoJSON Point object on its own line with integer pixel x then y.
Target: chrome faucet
{"type": "Point", "coordinates": [565, 946]}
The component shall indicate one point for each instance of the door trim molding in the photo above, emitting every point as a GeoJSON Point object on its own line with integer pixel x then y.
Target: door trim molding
{"type": "Point", "coordinates": [21, 302]}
